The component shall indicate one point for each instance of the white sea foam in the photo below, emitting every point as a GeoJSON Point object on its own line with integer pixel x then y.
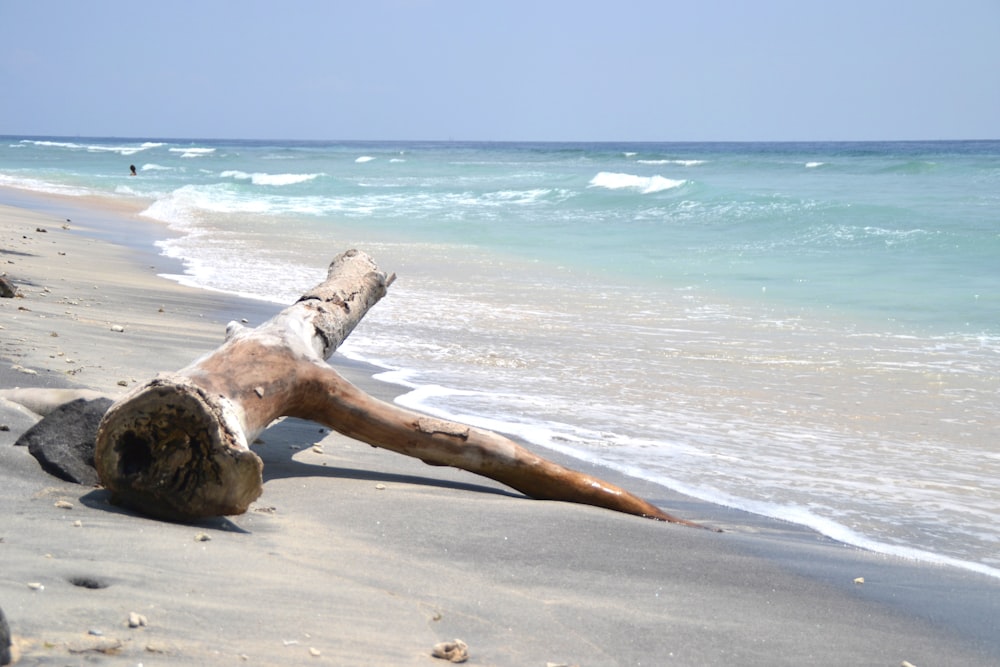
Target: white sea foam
{"type": "Point", "coordinates": [126, 191]}
{"type": "Point", "coordinates": [643, 184]}
{"type": "Point", "coordinates": [181, 206]}
{"type": "Point", "coordinates": [579, 442]}
{"type": "Point", "coordinates": [683, 163]}
{"type": "Point", "coordinates": [830, 528]}
{"type": "Point", "coordinates": [364, 158]}
{"type": "Point", "coordinates": [804, 517]}
{"type": "Point", "coordinates": [51, 144]}
{"type": "Point", "coordinates": [94, 148]}
{"type": "Point", "coordinates": [726, 403]}
{"type": "Point", "coordinates": [894, 233]}
{"type": "Point", "coordinates": [269, 179]}
{"type": "Point", "coordinates": [514, 196]}
{"type": "Point", "coordinates": [192, 151]}
{"type": "Point", "coordinates": [121, 150]}
{"type": "Point", "coordinates": [151, 166]}
{"type": "Point", "coordinates": [190, 201]}
{"type": "Point", "coordinates": [131, 150]}
{"type": "Point", "coordinates": [38, 185]}
{"type": "Point", "coordinates": [850, 234]}
{"type": "Point", "coordinates": [574, 442]}
{"type": "Point", "coordinates": [813, 165]}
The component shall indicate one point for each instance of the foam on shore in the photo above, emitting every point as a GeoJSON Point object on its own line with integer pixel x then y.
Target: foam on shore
{"type": "Point", "coordinates": [359, 556]}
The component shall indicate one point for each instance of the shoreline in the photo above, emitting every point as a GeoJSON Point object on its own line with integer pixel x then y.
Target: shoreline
{"type": "Point", "coordinates": [119, 235]}
{"type": "Point", "coordinates": [437, 554]}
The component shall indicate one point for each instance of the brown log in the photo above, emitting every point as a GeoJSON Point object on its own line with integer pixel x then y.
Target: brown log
{"type": "Point", "coordinates": [178, 446]}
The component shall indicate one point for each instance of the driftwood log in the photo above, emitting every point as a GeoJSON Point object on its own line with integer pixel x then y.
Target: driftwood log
{"type": "Point", "coordinates": [178, 446]}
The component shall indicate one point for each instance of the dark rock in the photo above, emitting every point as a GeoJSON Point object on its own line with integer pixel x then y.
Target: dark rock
{"type": "Point", "coordinates": [63, 442]}
{"type": "Point", "coordinates": [4, 640]}
{"type": "Point", "coordinates": [7, 289]}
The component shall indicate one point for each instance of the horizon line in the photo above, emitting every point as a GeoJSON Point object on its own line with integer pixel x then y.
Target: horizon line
{"type": "Point", "coordinates": [450, 140]}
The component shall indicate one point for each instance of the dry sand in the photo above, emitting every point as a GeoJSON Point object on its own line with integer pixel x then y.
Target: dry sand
{"type": "Point", "coordinates": [356, 556]}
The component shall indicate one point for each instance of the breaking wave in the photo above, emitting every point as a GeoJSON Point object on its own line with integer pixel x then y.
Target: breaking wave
{"type": "Point", "coordinates": [643, 184]}
{"type": "Point", "coordinates": [269, 179]}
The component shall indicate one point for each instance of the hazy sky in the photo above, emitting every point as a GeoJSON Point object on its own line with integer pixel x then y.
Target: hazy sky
{"type": "Point", "coordinates": [652, 70]}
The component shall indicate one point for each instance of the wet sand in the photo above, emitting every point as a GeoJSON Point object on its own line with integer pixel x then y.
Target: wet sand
{"type": "Point", "coordinates": [354, 555]}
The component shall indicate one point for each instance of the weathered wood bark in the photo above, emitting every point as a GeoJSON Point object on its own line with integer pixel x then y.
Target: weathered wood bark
{"type": "Point", "coordinates": [177, 447]}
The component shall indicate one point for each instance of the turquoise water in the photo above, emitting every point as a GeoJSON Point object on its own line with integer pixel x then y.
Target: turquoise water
{"type": "Point", "coordinates": [809, 331]}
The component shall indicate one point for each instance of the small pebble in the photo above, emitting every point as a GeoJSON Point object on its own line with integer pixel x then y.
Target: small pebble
{"type": "Point", "coordinates": [136, 620]}
{"type": "Point", "coordinates": [318, 449]}
{"type": "Point", "coordinates": [95, 632]}
{"type": "Point", "coordinates": [117, 328]}
{"type": "Point", "coordinates": [202, 537]}
{"type": "Point", "coordinates": [64, 505]}
{"type": "Point", "coordinates": [77, 524]}
{"type": "Point", "coordinates": [380, 487]}
{"type": "Point", "coordinates": [453, 651]}
{"type": "Point", "coordinates": [859, 580]}
{"type": "Point", "coordinates": [314, 652]}
{"type": "Point", "coordinates": [35, 586]}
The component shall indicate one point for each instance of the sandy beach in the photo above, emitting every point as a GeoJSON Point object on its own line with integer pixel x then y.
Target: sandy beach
{"type": "Point", "coordinates": [357, 556]}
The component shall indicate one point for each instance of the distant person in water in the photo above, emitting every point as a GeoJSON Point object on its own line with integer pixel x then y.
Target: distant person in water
{"type": "Point", "coordinates": [132, 169]}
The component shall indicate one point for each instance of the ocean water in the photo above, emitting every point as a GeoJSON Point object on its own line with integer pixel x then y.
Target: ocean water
{"type": "Point", "coordinates": [809, 331]}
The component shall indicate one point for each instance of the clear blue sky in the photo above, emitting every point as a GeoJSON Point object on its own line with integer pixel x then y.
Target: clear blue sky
{"type": "Point", "coordinates": [651, 70]}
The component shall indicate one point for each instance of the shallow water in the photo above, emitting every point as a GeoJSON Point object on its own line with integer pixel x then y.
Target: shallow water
{"type": "Point", "coordinates": [808, 331]}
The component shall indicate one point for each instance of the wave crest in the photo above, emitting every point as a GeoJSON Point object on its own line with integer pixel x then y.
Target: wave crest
{"type": "Point", "coordinates": [643, 184]}
{"type": "Point", "coordinates": [683, 163]}
{"type": "Point", "coordinates": [261, 178]}
{"type": "Point", "coordinates": [192, 151]}
{"type": "Point", "coordinates": [92, 148]}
